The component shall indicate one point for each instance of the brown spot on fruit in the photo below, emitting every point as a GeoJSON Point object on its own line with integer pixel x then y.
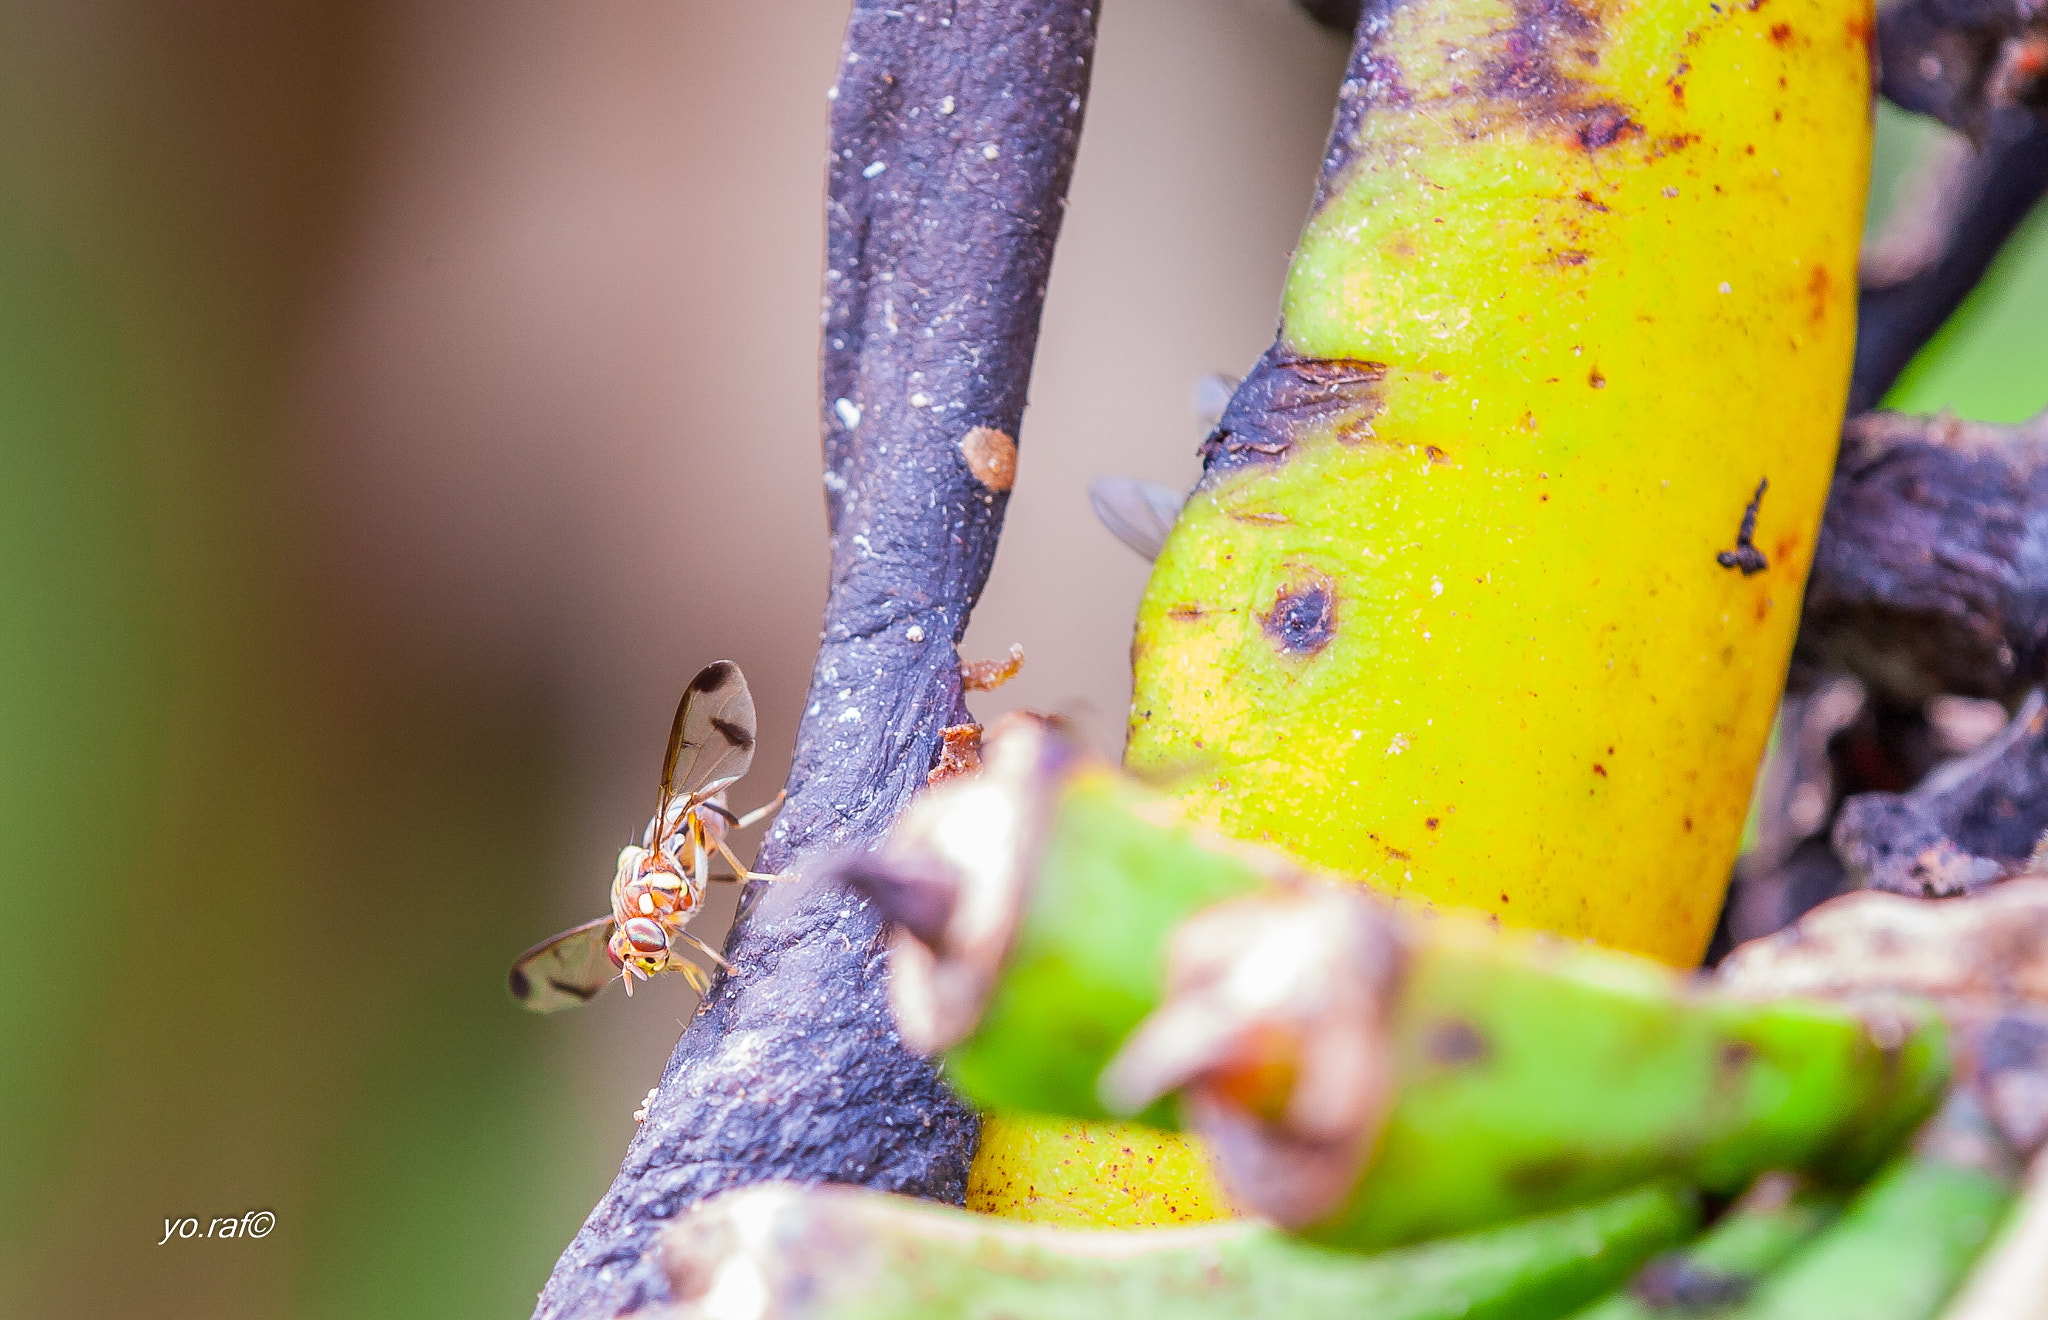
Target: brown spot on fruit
{"type": "Point", "coordinates": [1780, 33]}
{"type": "Point", "coordinates": [1605, 125]}
{"type": "Point", "coordinates": [1303, 619]}
{"type": "Point", "coordinates": [1573, 257]}
{"type": "Point", "coordinates": [1186, 613]}
{"type": "Point", "coordinates": [1596, 380]}
{"type": "Point", "coordinates": [1454, 1043]}
{"type": "Point", "coordinates": [1818, 286]}
{"type": "Point", "coordinates": [991, 456]}
{"type": "Point", "coordinates": [1429, 822]}
{"type": "Point", "coordinates": [1599, 769]}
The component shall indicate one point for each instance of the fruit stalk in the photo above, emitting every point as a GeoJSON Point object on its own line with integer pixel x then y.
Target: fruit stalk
{"type": "Point", "coordinates": [1708, 1279]}
{"type": "Point", "coordinates": [840, 1254]}
{"type": "Point", "coordinates": [1906, 1241]}
{"type": "Point", "coordinates": [1366, 1076]}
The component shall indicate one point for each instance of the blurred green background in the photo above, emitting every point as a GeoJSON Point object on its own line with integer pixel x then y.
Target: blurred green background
{"type": "Point", "coordinates": [397, 402]}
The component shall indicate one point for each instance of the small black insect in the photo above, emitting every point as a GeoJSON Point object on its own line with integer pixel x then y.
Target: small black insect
{"type": "Point", "coordinates": [1745, 555]}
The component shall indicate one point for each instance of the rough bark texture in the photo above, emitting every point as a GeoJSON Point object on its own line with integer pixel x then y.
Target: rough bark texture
{"type": "Point", "coordinates": [1931, 575]}
{"type": "Point", "coordinates": [954, 126]}
{"type": "Point", "coordinates": [1969, 824]}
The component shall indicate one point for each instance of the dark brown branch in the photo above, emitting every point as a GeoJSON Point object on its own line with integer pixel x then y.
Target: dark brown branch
{"type": "Point", "coordinates": [1987, 195]}
{"type": "Point", "coordinates": [1968, 824]}
{"type": "Point", "coordinates": [1931, 575]}
{"type": "Point", "coordinates": [1964, 62]}
{"type": "Point", "coordinates": [1977, 66]}
{"type": "Point", "coordinates": [954, 126]}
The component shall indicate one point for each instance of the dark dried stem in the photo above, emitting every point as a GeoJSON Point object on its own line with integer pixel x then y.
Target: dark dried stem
{"type": "Point", "coordinates": [954, 126]}
{"type": "Point", "coordinates": [1907, 296]}
{"type": "Point", "coordinates": [1931, 575]}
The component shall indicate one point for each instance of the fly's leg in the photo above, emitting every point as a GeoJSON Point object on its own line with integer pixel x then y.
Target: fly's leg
{"type": "Point", "coordinates": [740, 872]}
{"type": "Point", "coordinates": [703, 948]}
{"type": "Point", "coordinates": [699, 980]}
{"type": "Point", "coordinates": [763, 812]}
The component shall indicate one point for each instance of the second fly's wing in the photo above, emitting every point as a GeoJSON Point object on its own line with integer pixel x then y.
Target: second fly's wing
{"type": "Point", "coordinates": [566, 970]}
{"type": "Point", "coordinates": [1138, 513]}
{"type": "Point", "coordinates": [712, 741]}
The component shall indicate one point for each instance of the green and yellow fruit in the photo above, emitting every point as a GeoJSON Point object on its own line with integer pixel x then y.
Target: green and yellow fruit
{"type": "Point", "coordinates": [1369, 1076]}
{"type": "Point", "coordinates": [1483, 598]}
{"type": "Point", "coordinates": [836, 1253]}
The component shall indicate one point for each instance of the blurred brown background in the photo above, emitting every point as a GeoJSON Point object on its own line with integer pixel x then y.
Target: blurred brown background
{"type": "Point", "coordinates": [397, 403]}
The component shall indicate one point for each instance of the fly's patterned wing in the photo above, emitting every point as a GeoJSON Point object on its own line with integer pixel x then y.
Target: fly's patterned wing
{"type": "Point", "coordinates": [1138, 513]}
{"type": "Point", "coordinates": [712, 742]}
{"type": "Point", "coordinates": [566, 970]}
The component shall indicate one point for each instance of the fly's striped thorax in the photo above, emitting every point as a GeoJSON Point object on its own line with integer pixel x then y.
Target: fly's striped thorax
{"type": "Point", "coordinates": [652, 884]}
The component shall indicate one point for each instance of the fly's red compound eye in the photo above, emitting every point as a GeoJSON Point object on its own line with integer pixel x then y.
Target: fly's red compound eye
{"type": "Point", "coordinates": [646, 936]}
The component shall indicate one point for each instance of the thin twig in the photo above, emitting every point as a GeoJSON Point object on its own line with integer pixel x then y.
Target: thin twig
{"type": "Point", "coordinates": [1989, 194]}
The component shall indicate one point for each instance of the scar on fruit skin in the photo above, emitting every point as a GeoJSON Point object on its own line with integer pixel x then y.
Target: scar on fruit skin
{"type": "Point", "coordinates": [1745, 555]}
{"type": "Point", "coordinates": [1303, 619]}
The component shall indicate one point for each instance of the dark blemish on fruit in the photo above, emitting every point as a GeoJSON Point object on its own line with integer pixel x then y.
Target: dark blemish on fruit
{"type": "Point", "coordinates": [1283, 398]}
{"type": "Point", "coordinates": [1599, 769]}
{"type": "Point", "coordinates": [1186, 613]}
{"type": "Point", "coordinates": [1780, 33]}
{"type": "Point", "coordinates": [1454, 1043]}
{"type": "Point", "coordinates": [1573, 257]}
{"type": "Point", "coordinates": [1435, 455]}
{"type": "Point", "coordinates": [1606, 125]}
{"type": "Point", "coordinates": [1589, 199]}
{"type": "Point", "coordinates": [1429, 822]}
{"type": "Point", "coordinates": [1745, 555]}
{"type": "Point", "coordinates": [1596, 380]}
{"type": "Point", "coordinates": [1734, 1056]}
{"type": "Point", "coordinates": [1688, 824]}
{"type": "Point", "coordinates": [1303, 619]}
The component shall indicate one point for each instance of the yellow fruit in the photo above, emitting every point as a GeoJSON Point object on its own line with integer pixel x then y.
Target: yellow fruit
{"type": "Point", "coordinates": [1056, 1171]}
{"type": "Point", "coordinates": [1460, 606]}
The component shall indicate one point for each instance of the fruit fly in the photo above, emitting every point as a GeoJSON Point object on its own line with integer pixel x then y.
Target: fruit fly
{"type": "Point", "coordinates": [661, 880]}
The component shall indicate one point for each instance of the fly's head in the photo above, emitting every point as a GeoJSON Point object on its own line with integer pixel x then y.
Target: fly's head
{"type": "Point", "coordinates": [639, 948]}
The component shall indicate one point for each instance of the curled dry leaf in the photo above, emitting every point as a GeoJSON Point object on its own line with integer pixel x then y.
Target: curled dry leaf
{"type": "Point", "coordinates": [1275, 1028]}
{"type": "Point", "coordinates": [959, 753]}
{"type": "Point", "coordinates": [1991, 947]}
{"type": "Point", "coordinates": [988, 675]}
{"type": "Point", "coordinates": [954, 879]}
